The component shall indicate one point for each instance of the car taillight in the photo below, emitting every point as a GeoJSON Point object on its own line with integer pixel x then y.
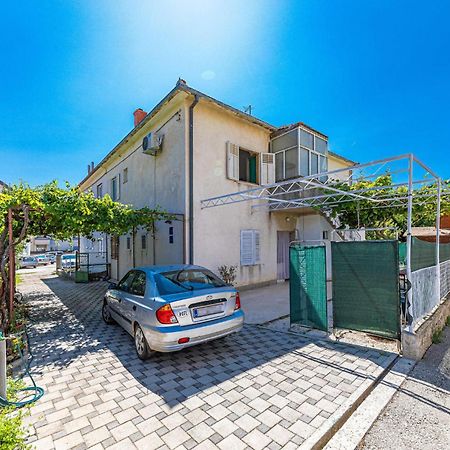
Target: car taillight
{"type": "Point", "coordinates": [237, 305]}
{"type": "Point", "coordinates": [166, 315]}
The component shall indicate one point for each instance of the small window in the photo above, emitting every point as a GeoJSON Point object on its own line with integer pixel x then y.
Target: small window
{"type": "Point", "coordinates": [248, 166]}
{"type": "Point", "coordinates": [250, 247]}
{"type": "Point", "coordinates": [320, 145]}
{"type": "Point", "coordinates": [170, 235]}
{"type": "Point", "coordinates": [306, 139]}
{"type": "Point", "coordinates": [114, 247]}
{"type": "Point", "coordinates": [143, 242]}
{"type": "Point", "coordinates": [125, 175]}
{"type": "Point", "coordinates": [114, 189]}
{"type": "Point", "coordinates": [325, 235]}
{"type": "Point", "coordinates": [138, 284]}
{"type": "Point", "coordinates": [128, 243]}
{"type": "Point", "coordinates": [100, 190]}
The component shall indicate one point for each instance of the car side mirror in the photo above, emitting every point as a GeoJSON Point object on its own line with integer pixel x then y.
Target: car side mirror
{"type": "Point", "coordinates": [112, 286]}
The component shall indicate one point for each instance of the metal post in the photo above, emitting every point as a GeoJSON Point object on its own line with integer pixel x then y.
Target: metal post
{"type": "Point", "coordinates": [2, 366]}
{"type": "Point", "coordinates": [12, 265]}
{"type": "Point", "coordinates": [133, 234]}
{"type": "Point", "coordinates": [438, 238]}
{"type": "Point", "coordinates": [409, 239]}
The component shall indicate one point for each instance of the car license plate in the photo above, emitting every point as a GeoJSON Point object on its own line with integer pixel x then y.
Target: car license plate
{"type": "Point", "coordinates": [207, 310]}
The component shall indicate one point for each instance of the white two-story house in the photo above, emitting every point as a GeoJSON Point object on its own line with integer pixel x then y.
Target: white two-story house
{"type": "Point", "coordinates": [191, 147]}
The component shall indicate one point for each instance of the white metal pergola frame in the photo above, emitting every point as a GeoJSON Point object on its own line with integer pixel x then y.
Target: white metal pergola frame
{"type": "Point", "coordinates": [325, 190]}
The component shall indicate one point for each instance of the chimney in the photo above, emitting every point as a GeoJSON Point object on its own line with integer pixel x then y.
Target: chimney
{"type": "Point", "coordinates": [92, 166]}
{"type": "Point", "coordinates": [139, 116]}
{"type": "Point", "coordinates": [89, 169]}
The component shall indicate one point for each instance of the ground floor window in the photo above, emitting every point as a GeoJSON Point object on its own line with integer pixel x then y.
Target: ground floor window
{"type": "Point", "coordinates": [250, 247]}
{"type": "Point", "coordinates": [114, 247]}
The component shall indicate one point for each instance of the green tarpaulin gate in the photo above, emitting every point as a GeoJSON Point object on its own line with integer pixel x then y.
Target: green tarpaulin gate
{"type": "Point", "coordinates": [366, 287]}
{"type": "Point", "coordinates": [308, 288]}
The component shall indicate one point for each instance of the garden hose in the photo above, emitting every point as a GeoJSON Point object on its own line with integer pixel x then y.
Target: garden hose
{"type": "Point", "coordinates": [36, 391]}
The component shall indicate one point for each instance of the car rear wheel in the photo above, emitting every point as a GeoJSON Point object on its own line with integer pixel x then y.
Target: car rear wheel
{"type": "Point", "coordinates": [106, 314]}
{"type": "Point", "coordinates": [142, 349]}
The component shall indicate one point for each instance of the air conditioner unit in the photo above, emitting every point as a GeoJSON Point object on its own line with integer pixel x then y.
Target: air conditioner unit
{"type": "Point", "coordinates": [152, 144]}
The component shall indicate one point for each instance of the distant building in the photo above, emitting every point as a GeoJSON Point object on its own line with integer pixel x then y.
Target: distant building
{"type": "Point", "coordinates": [42, 244]}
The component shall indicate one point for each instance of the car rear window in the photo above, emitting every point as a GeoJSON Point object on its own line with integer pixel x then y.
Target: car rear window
{"type": "Point", "coordinates": [177, 281]}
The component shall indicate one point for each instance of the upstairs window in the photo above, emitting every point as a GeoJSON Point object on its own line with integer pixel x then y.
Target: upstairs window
{"type": "Point", "coordinates": [125, 175]}
{"type": "Point", "coordinates": [100, 190]}
{"type": "Point", "coordinates": [247, 166]}
{"type": "Point", "coordinates": [115, 188]}
{"type": "Point", "coordinates": [299, 153]}
{"type": "Point", "coordinates": [143, 242]}
{"type": "Point", "coordinates": [250, 167]}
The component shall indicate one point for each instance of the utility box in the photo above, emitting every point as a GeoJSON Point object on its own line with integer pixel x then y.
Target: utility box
{"type": "Point", "coordinates": [81, 277]}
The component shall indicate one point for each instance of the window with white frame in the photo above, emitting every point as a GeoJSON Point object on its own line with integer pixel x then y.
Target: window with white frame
{"type": "Point", "coordinates": [125, 175]}
{"type": "Point", "coordinates": [251, 167]}
{"type": "Point", "coordinates": [299, 152]}
{"type": "Point", "coordinates": [250, 247]}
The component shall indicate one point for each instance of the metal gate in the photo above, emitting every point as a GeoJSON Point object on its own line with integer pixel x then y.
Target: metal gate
{"type": "Point", "coordinates": [366, 287]}
{"type": "Point", "coordinates": [308, 286]}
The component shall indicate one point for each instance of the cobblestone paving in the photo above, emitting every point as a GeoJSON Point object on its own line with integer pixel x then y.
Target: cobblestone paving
{"type": "Point", "coordinates": [257, 389]}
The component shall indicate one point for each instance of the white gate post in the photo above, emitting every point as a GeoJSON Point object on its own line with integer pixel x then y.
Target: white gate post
{"type": "Point", "coordinates": [2, 366]}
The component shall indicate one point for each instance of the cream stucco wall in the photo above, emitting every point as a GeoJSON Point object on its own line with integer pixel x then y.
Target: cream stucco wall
{"type": "Point", "coordinates": [152, 181]}
{"type": "Point", "coordinates": [217, 230]}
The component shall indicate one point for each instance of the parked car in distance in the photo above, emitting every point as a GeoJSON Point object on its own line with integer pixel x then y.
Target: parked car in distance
{"type": "Point", "coordinates": [168, 308]}
{"type": "Point", "coordinates": [28, 262]}
{"type": "Point", "coordinates": [68, 261]}
{"type": "Point", "coordinates": [42, 260]}
{"type": "Point", "coordinates": [51, 257]}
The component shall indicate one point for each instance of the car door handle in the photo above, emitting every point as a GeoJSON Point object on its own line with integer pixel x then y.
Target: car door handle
{"type": "Point", "coordinates": [120, 300]}
{"type": "Point", "coordinates": [134, 307]}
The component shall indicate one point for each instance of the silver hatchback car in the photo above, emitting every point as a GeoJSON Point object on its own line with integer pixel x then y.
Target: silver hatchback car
{"type": "Point", "coordinates": [167, 308]}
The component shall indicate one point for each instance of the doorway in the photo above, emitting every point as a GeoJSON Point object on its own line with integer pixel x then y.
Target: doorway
{"type": "Point", "coordinates": [283, 239]}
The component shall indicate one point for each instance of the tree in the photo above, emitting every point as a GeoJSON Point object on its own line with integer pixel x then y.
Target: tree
{"type": "Point", "coordinates": [61, 213]}
{"type": "Point", "coordinates": [366, 213]}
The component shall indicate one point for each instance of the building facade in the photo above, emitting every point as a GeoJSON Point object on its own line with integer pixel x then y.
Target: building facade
{"type": "Point", "coordinates": [191, 147]}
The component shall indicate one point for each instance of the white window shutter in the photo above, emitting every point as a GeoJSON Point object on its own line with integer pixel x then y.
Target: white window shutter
{"type": "Point", "coordinates": [232, 161]}
{"type": "Point", "coordinates": [118, 186]}
{"type": "Point", "coordinates": [256, 247]}
{"type": "Point", "coordinates": [246, 247]}
{"type": "Point", "coordinates": [250, 247]}
{"type": "Point", "coordinates": [267, 166]}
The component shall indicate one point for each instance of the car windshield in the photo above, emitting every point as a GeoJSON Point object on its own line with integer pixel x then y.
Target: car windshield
{"type": "Point", "coordinates": [68, 257]}
{"type": "Point", "coordinates": [184, 280]}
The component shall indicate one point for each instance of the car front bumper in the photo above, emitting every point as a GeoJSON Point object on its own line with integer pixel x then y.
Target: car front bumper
{"type": "Point", "coordinates": [165, 339]}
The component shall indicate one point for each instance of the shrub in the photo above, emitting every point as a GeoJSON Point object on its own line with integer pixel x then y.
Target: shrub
{"type": "Point", "coordinates": [227, 273]}
{"type": "Point", "coordinates": [12, 432]}
{"type": "Point", "coordinates": [437, 337]}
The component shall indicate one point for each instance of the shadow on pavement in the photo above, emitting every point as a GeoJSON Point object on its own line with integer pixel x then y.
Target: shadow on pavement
{"type": "Point", "coordinates": [67, 325]}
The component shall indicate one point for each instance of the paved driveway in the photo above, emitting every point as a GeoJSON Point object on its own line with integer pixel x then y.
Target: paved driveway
{"type": "Point", "coordinates": [258, 389]}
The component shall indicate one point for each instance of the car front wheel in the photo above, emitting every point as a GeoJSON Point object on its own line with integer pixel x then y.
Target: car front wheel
{"type": "Point", "coordinates": [106, 314]}
{"type": "Point", "coordinates": [142, 349]}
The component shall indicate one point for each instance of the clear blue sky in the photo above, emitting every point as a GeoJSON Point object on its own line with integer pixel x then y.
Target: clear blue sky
{"type": "Point", "coordinates": [372, 75]}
